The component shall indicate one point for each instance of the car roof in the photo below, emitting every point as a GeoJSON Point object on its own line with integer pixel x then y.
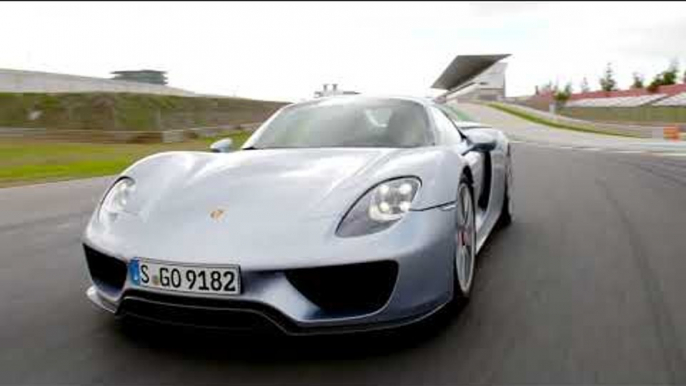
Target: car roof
{"type": "Point", "coordinates": [420, 100]}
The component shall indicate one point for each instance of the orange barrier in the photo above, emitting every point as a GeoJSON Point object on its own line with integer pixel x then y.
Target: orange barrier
{"type": "Point", "coordinates": [672, 132]}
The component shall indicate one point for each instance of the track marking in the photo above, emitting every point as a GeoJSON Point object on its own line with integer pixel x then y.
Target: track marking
{"type": "Point", "coordinates": [591, 148]}
{"type": "Point", "coordinates": [676, 155]}
{"type": "Point", "coordinates": [601, 149]}
{"type": "Point", "coordinates": [629, 151]}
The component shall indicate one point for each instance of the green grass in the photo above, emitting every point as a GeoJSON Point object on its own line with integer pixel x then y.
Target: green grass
{"type": "Point", "coordinates": [547, 122]}
{"type": "Point", "coordinates": [124, 111]}
{"type": "Point", "coordinates": [24, 162]}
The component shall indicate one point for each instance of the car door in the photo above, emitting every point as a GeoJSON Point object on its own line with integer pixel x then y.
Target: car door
{"type": "Point", "coordinates": [495, 168]}
{"type": "Point", "coordinates": [451, 136]}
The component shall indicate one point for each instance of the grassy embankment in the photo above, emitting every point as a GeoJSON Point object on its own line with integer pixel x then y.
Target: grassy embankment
{"type": "Point", "coordinates": [127, 112]}
{"type": "Point", "coordinates": [551, 123]}
{"type": "Point", "coordinates": [26, 161]}
{"type": "Point", "coordinates": [461, 114]}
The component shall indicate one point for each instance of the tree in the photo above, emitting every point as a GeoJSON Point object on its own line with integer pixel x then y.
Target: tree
{"type": "Point", "coordinates": [537, 91]}
{"type": "Point", "coordinates": [608, 82]}
{"type": "Point", "coordinates": [638, 80]}
{"type": "Point", "coordinates": [684, 80]}
{"type": "Point", "coordinates": [584, 85]}
{"type": "Point", "coordinates": [547, 88]}
{"type": "Point", "coordinates": [670, 75]}
{"type": "Point", "coordinates": [655, 84]}
{"type": "Point", "coordinates": [665, 78]}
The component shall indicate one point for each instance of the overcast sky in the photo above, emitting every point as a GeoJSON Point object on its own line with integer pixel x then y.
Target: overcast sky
{"type": "Point", "coordinates": [284, 51]}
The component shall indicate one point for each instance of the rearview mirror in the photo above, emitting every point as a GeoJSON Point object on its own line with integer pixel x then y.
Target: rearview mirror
{"type": "Point", "coordinates": [479, 142]}
{"type": "Point", "coordinates": [222, 146]}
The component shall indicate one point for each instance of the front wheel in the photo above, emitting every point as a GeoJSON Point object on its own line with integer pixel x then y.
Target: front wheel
{"type": "Point", "coordinates": [465, 243]}
{"type": "Point", "coordinates": [507, 212]}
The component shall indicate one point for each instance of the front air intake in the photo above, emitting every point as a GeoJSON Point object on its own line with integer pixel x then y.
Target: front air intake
{"type": "Point", "coordinates": [354, 288]}
{"type": "Point", "coordinates": [107, 272]}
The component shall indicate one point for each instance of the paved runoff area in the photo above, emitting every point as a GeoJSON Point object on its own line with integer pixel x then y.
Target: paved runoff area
{"type": "Point", "coordinates": [521, 130]}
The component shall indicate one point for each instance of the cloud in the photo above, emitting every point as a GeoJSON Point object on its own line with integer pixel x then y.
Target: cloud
{"type": "Point", "coordinates": [287, 50]}
{"type": "Point", "coordinates": [506, 8]}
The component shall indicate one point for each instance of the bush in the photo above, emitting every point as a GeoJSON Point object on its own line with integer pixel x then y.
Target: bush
{"type": "Point", "coordinates": [564, 94]}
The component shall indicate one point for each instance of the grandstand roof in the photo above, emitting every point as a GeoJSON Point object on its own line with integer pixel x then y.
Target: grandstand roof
{"type": "Point", "coordinates": [463, 68]}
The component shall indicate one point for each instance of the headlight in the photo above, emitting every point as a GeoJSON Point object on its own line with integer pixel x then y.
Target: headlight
{"type": "Point", "coordinates": [380, 207]}
{"type": "Point", "coordinates": [116, 199]}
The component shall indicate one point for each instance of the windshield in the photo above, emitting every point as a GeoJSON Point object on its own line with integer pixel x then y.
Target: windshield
{"type": "Point", "coordinates": [346, 122]}
{"type": "Point", "coordinates": [470, 127]}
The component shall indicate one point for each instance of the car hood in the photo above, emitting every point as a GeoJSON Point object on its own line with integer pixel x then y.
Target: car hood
{"type": "Point", "coordinates": [264, 202]}
{"type": "Point", "coordinates": [269, 185]}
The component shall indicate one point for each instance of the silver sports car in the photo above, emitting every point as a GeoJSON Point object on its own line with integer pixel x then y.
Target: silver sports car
{"type": "Point", "coordinates": [338, 214]}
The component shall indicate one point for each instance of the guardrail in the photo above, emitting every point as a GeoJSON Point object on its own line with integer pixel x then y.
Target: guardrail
{"type": "Point", "coordinates": [670, 132]}
{"type": "Point", "coordinates": [125, 136]}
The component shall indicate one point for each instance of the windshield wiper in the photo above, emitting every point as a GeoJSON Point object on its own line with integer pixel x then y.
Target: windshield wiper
{"type": "Point", "coordinates": [252, 148]}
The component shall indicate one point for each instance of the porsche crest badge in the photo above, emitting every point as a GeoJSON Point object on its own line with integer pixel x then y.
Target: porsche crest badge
{"type": "Point", "coordinates": [216, 214]}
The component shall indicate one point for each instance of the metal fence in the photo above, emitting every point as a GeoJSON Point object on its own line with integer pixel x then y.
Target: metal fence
{"type": "Point", "coordinates": [641, 131]}
{"type": "Point", "coordinates": [638, 115]}
{"type": "Point", "coordinates": [651, 115]}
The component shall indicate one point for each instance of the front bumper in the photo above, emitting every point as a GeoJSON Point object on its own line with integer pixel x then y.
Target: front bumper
{"type": "Point", "coordinates": [231, 315]}
{"type": "Point", "coordinates": [419, 249]}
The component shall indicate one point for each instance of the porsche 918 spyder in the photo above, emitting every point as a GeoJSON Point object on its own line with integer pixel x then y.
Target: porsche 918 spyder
{"type": "Point", "coordinates": [340, 214]}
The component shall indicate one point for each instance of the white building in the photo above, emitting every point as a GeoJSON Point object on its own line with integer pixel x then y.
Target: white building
{"type": "Point", "coordinates": [473, 77]}
{"type": "Point", "coordinates": [18, 81]}
{"type": "Point", "coordinates": [333, 90]}
{"type": "Point", "coordinates": [488, 86]}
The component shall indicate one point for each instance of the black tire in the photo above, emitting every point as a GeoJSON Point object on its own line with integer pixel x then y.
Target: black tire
{"type": "Point", "coordinates": [461, 293]}
{"type": "Point", "coordinates": [506, 215]}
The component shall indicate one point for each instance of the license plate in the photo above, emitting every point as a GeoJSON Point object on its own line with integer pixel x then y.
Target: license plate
{"type": "Point", "coordinates": [225, 280]}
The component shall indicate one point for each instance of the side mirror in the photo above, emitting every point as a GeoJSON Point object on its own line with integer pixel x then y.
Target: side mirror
{"type": "Point", "coordinates": [480, 143]}
{"type": "Point", "coordinates": [222, 146]}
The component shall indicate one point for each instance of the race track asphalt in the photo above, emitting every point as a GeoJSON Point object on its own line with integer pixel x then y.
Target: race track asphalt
{"type": "Point", "coordinates": [587, 286]}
